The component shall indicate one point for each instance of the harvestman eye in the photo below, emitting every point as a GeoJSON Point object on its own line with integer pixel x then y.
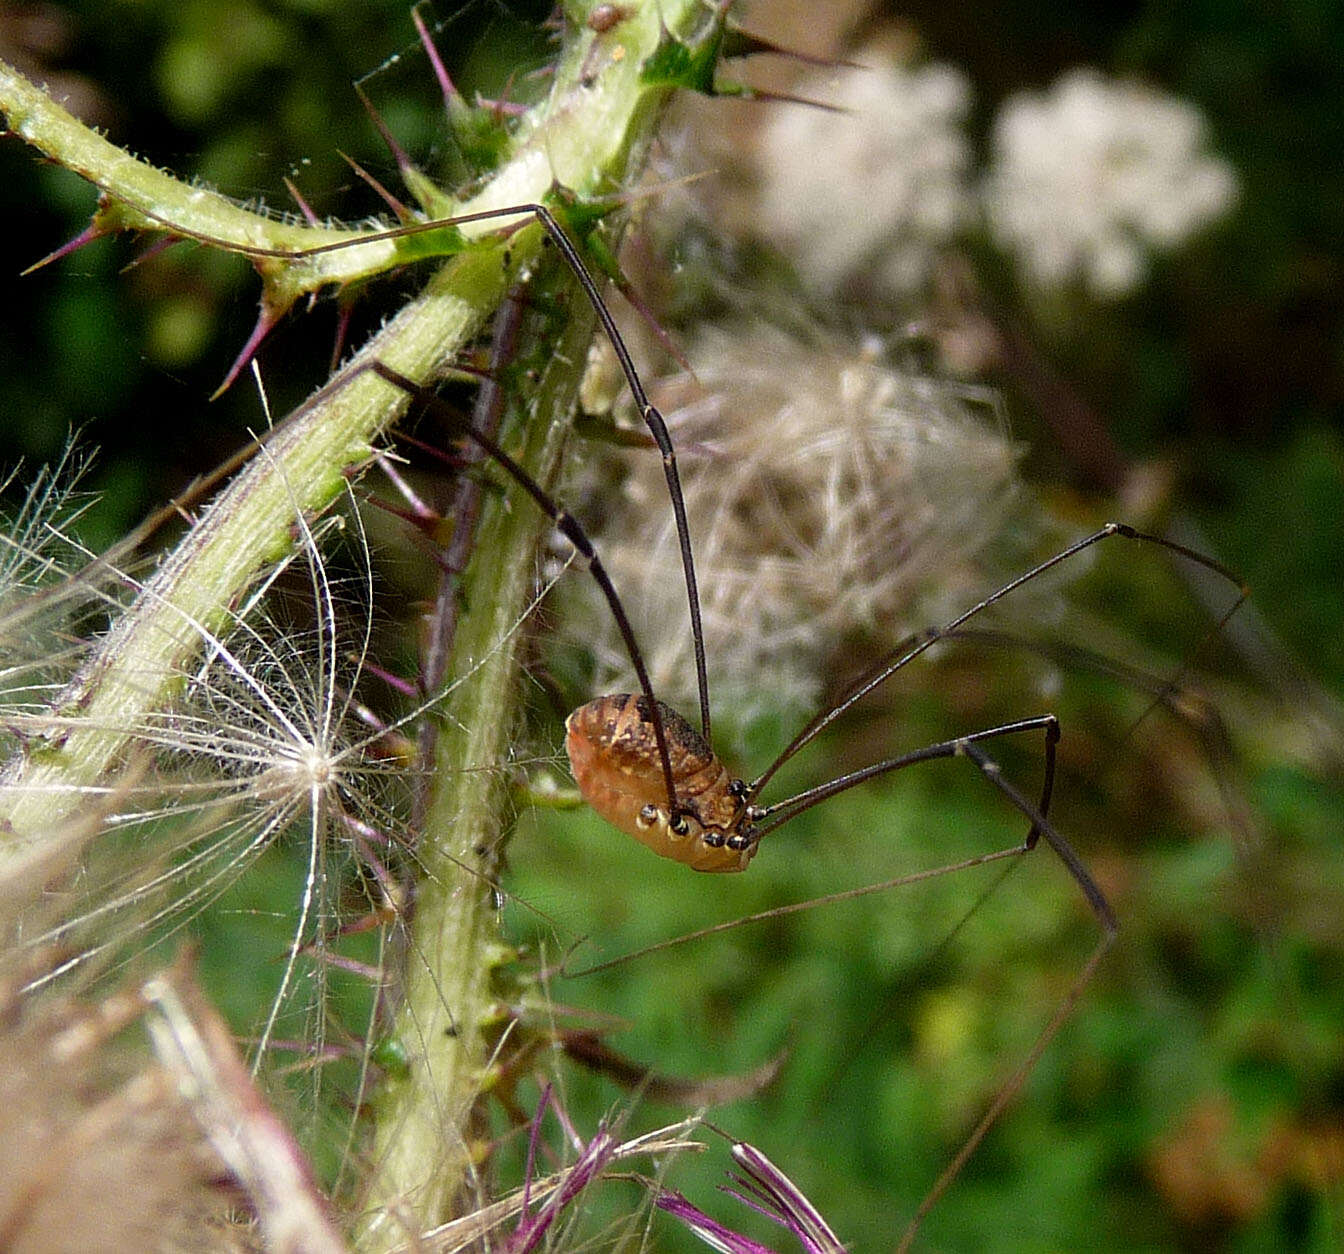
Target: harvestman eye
{"type": "Point", "coordinates": [637, 761]}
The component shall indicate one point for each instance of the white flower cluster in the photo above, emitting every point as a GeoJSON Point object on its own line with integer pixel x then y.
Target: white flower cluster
{"type": "Point", "coordinates": [1086, 179]}
{"type": "Point", "coordinates": [872, 192]}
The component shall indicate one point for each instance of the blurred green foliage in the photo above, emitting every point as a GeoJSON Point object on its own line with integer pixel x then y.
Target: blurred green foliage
{"type": "Point", "coordinates": [1197, 1097]}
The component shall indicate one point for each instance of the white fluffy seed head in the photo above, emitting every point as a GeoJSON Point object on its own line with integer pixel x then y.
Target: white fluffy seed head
{"type": "Point", "coordinates": [263, 747]}
{"type": "Point", "coordinates": [830, 498]}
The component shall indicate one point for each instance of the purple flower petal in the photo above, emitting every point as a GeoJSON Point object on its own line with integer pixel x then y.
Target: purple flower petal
{"type": "Point", "coordinates": [589, 1164]}
{"type": "Point", "coordinates": [777, 1196]}
{"type": "Point", "coordinates": [710, 1231]}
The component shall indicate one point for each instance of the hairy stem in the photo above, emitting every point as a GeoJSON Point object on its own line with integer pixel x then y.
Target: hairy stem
{"type": "Point", "coordinates": [422, 1159]}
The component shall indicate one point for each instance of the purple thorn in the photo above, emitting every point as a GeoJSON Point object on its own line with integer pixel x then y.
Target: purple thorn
{"type": "Point", "coordinates": [744, 92]}
{"type": "Point", "coordinates": [473, 370]}
{"type": "Point", "coordinates": [397, 151]}
{"type": "Point", "coordinates": [502, 108]}
{"type": "Point", "coordinates": [754, 45]}
{"type": "Point", "coordinates": [265, 321]}
{"type": "Point", "coordinates": [395, 682]}
{"type": "Point", "coordinates": [442, 456]}
{"type": "Point", "coordinates": [429, 523]}
{"type": "Point", "coordinates": [642, 308]}
{"type": "Point", "coordinates": [403, 214]}
{"type": "Point", "coordinates": [361, 970]}
{"type": "Point", "coordinates": [345, 312]}
{"type": "Point", "coordinates": [451, 96]}
{"type": "Point", "coordinates": [365, 833]}
{"type": "Point", "coordinates": [90, 233]}
{"type": "Point", "coordinates": [304, 208]}
{"type": "Point", "coordinates": [316, 1053]}
{"type": "Point", "coordinates": [157, 247]}
{"type": "Point", "coordinates": [421, 510]}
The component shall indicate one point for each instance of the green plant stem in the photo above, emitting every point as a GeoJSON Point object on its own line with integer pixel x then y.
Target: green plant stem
{"type": "Point", "coordinates": [422, 1159]}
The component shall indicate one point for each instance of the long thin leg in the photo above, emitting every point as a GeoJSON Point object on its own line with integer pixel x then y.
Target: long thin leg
{"type": "Point", "coordinates": [1012, 1086]}
{"type": "Point", "coordinates": [969, 747]}
{"type": "Point", "coordinates": [569, 527]}
{"type": "Point", "coordinates": [1190, 707]}
{"type": "Point", "coordinates": [652, 419]}
{"type": "Point", "coordinates": [658, 427]}
{"type": "Point", "coordinates": [915, 645]}
{"type": "Point", "coordinates": [772, 816]}
{"type": "Point", "coordinates": [797, 907]}
{"type": "Point", "coordinates": [1041, 826]}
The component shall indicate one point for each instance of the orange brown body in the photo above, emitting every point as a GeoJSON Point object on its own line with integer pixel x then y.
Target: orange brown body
{"type": "Point", "coordinates": [613, 752]}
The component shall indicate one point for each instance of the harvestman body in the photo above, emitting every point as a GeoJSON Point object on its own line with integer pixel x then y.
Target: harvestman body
{"type": "Point", "coordinates": [613, 751]}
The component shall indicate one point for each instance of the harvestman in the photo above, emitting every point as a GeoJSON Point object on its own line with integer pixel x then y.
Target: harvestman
{"type": "Point", "coordinates": [647, 771]}
{"type": "Point", "coordinates": [651, 774]}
